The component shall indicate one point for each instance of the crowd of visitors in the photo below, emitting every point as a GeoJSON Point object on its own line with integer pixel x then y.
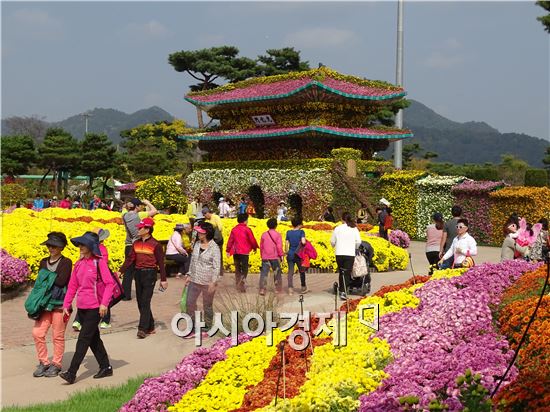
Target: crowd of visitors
{"type": "Point", "coordinates": [196, 248]}
{"type": "Point", "coordinates": [74, 202]}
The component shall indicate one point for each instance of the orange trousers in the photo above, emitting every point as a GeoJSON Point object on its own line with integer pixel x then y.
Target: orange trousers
{"type": "Point", "coordinates": [39, 332]}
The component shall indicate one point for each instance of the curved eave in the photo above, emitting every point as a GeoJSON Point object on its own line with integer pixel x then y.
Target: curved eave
{"type": "Point", "coordinates": [314, 83]}
{"type": "Point", "coordinates": [297, 131]}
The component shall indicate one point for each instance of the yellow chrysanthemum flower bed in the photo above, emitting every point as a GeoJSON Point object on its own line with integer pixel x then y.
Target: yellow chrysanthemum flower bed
{"type": "Point", "coordinates": [225, 385]}
{"type": "Point", "coordinates": [338, 375]}
{"type": "Point", "coordinates": [23, 230]}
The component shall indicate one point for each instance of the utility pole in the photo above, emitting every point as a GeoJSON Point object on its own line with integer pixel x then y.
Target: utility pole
{"type": "Point", "coordinates": [86, 116]}
{"type": "Point", "coordinates": [398, 146]}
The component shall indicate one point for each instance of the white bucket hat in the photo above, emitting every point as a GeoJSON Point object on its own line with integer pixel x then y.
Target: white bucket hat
{"type": "Point", "coordinates": [384, 202]}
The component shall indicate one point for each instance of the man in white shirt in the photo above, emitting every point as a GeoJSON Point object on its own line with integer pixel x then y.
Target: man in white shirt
{"type": "Point", "coordinates": [463, 246]}
{"type": "Point", "coordinates": [223, 208]}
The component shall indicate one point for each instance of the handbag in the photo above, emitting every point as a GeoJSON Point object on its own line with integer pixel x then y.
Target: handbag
{"type": "Point", "coordinates": [118, 290]}
{"type": "Point", "coordinates": [297, 258]}
{"type": "Point", "coordinates": [218, 237]}
{"type": "Point", "coordinates": [360, 267]}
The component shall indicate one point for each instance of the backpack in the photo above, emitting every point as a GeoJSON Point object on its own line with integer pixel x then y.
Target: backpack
{"type": "Point", "coordinates": [118, 291]}
{"type": "Point", "coordinates": [388, 222]}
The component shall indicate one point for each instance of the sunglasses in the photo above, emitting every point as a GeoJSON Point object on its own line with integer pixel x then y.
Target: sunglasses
{"type": "Point", "coordinates": [461, 227]}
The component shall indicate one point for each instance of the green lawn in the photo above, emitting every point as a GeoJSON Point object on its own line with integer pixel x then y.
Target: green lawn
{"type": "Point", "coordinates": [95, 399]}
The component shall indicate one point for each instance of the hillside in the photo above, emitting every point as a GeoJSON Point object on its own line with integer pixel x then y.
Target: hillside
{"type": "Point", "coordinates": [454, 142]}
{"type": "Point", "coordinates": [112, 122]}
{"type": "Point", "coordinates": [469, 142]}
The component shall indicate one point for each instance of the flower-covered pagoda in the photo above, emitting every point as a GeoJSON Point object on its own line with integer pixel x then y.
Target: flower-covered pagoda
{"type": "Point", "coordinates": [298, 115]}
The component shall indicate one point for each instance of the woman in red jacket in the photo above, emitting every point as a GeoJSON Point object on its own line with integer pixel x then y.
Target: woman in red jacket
{"type": "Point", "coordinates": [241, 242]}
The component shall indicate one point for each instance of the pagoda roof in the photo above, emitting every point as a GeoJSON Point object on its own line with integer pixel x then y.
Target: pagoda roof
{"type": "Point", "coordinates": [326, 85]}
{"type": "Point", "coordinates": [356, 133]}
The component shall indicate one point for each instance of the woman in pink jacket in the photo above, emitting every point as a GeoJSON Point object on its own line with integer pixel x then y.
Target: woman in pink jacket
{"type": "Point", "coordinates": [271, 251]}
{"type": "Point", "coordinates": [91, 281]}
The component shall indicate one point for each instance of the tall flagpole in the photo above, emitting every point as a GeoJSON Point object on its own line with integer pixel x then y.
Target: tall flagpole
{"type": "Point", "coordinates": [398, 146]}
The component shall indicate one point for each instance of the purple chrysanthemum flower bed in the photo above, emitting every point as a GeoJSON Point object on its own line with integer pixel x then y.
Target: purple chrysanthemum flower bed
{"type": "Point", "coordinates": [399, 238]}
{"type": "Point", "coordinates": [156, 394]}
{"type": "Point", "coordinates": [450, 331]}
{"type": "Point", "coordinates": [13, 271]}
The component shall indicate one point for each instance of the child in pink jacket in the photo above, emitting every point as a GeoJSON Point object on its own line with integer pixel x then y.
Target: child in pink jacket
{"type": "Point", "coordinates": [93, 285]}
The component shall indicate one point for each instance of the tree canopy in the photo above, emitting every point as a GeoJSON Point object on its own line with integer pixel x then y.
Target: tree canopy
{"type": "Point", "coordinates": [545, 20]}
{"type": "Point", "coordinates": [154, 149]}
{"type": "Point", "coordinates": [98, 157]}
{"type": "Point", "coordinates": [207, 65]}
{"type": "Point", "coordinates": [59, 151]}
{"type": "Point", "coordinates": [281, 61]}
{"type": "Point", "coordinates": [18, 154]}
{"type": "Point", "coordinates": [33, 126]}
{"type": "Point", "coordinates": [224, 62]}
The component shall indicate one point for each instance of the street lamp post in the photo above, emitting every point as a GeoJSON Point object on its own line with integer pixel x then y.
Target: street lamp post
{"type": "Point", "coordinates": [398, 146]}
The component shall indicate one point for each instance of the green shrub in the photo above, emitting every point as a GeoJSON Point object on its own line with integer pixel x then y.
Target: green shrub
{"type": "Point", "coordinates": [536, 177]}
{"type": "Point", "coordinates": [13, 193]}
{"type": "Point", "coordinates": [481, 172]}
{"type": "Point", "coordinates": [165, 192]}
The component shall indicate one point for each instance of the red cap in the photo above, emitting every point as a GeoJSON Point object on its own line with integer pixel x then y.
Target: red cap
{"type": "Point", "coordinates": [146, 222]}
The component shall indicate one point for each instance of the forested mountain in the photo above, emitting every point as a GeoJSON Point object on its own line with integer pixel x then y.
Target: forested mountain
{"type": "Point", "coordinates": [454, 142]}
{"type": "Point", "coordinates": [469, 142]}
{"type": "Point", "coordinates": [112, 122]}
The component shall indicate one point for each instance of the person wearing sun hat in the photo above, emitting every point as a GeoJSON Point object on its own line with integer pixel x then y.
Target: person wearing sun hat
{"type": "Point", "coordinates": [61, 266]}
{"type": "Point", "coordinates": [148, 257]}
{"type": "Point", "coordinates": [106, 320]}
{"type": "Point", "coordinates": [93, 286]}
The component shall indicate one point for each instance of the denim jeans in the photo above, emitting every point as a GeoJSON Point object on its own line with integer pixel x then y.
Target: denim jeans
{"type": "Point", "coordinates": [275, 264]}
{"type": "Point", "coordinates": [447, 264]}
{"type": "Point", "coordinates": [291, 264]}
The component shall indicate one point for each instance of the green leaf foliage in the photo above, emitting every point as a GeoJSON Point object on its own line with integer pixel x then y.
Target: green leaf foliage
{"type": "Point", "coordinates": [536, 177]}
{"type": "Point", "coordinates": [545, 20]}
{"type": "Point", "coordinates": [18, 154]}
{"type": "Point", "coordinates": [59, 151]}
{"type": "Point", "coordinates": [280, 61]}
{"type": "Point", "coordinates": [98, 156]}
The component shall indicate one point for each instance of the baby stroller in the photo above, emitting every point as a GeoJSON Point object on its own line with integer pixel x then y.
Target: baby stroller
{"type": "Point", "coordinates": [361, 283]}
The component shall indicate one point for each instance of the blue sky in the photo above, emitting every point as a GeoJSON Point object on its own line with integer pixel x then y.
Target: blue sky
{"type": "Point", "coordinates": [466, 60]}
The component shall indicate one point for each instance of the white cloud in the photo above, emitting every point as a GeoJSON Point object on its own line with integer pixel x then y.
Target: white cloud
{"type": "Point", "coordinates": [141, 31]}
{"type": "Point", "coordinates": [439, 60]}
{"type": "Point", "coordinates": [36, 23]}
{"type": "Point", "coordinates": [320, 37]}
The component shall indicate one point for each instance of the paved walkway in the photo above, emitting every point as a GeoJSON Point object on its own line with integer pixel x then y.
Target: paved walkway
{"type": "Point", "coordinates": [160, 352]}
